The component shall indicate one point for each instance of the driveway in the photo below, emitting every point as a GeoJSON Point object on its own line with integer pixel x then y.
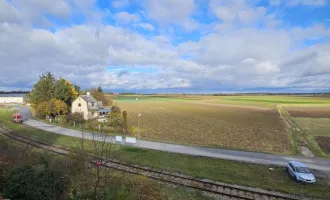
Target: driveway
{"type": "Point", "coordinates": [320, 166]}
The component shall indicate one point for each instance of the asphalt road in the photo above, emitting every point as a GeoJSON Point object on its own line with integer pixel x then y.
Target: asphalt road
{"type": "Point", "coordinates": [321, 167]}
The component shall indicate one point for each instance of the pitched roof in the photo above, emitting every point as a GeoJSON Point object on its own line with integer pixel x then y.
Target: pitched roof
{"type": "Point", "coordinates": [100, 104]}
{"type": "Point", "coordinates": [88, 98]}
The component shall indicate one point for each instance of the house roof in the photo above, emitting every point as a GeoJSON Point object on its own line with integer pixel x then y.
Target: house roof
{"type": "Point", "coordinates": [100, 104]}
{"type": "Point", "coordinates": [88, 98]}
{"type": "Point", "coordinates": [92, 103]}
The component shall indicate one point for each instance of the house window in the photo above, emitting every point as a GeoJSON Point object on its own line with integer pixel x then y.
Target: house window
{"type": "Point", "coordinates": [92, 104]}
{"type": "Point", "coordinates": [79, 104]}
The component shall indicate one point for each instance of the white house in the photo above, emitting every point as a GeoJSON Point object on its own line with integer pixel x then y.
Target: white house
{"type": "Point", "coordinates": [87, 105]}
{"type": "Point", "coordinates": [13, 98]}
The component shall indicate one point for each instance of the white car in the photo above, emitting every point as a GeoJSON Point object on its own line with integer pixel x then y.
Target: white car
{"type": "Point", "coordinates": [300, 172]}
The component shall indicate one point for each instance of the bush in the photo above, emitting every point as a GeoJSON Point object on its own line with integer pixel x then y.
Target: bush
{"type": "Point", "coordinates": [77, 117]}
{"type": "Point", "coordinates": [35, 184]}
{"type": "Point", "coordinates": [63, 120]}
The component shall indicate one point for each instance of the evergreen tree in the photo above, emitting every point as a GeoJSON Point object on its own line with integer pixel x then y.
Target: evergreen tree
{"type": "Point", "coordinates": [63, 91]}
{"type": "Point", "coordinates": [43, 90]}
{"type": "Point", "coordinates": [99, 89]}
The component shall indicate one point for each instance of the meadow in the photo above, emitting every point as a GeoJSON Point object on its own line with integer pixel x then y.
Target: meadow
{"type": "Point", "coordinates": [249, 123]}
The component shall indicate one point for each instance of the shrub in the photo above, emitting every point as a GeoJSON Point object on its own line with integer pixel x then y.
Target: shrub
{"type": "Point", "coordinates": [77, 117]}
{"type": "Point", "coordinates": [35, 184]}
{"type": "Point", "coordinates": [63, 120]}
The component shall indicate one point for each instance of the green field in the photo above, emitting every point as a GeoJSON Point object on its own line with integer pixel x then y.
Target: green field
{"type": "Point", "coordinates": [215, 169]}
{"type": "Point", "coordinates": [314, 126]}
{"type": "Point", "coordinates": [249, 123]}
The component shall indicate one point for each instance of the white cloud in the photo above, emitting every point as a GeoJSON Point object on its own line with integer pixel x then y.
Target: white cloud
{"type": "Point", "coordinates": [250, 15]}
{"type": "Point", "coordinates": [125, 17]}
{"type": "Point", "coordinates": [232, 51]}
{"type": "Point", "coordinates": [169, 11]}
{"type": "Point", "coordinates": [146, 26]}
{"type": "Point", "coordinates": [8, 12]}
{"type": "Point", "coordinates": [227, 10]}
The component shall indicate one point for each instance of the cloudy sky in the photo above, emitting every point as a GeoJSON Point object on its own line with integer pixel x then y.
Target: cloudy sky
{"type": "Point", "coordinates": [168, 45]}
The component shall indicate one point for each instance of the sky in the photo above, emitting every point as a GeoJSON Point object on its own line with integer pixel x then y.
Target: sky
{"type": "Point", "coordinates": [168, 46]}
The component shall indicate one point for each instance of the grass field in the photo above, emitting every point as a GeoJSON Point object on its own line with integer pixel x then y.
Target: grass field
{"type": "Point", "coordinates": [249, 123]}
{"type": "Point", "coordinates": [215, 169]}
{"type": "Point", "coordinates": [317, 130]}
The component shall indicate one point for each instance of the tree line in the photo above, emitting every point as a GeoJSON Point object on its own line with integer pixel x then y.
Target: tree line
{"type": "Point", "coordinates": [51, 96]}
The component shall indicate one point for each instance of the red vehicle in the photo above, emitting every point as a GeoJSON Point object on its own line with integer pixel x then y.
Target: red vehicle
{"type": "Point", "coordinates": [17, 118]}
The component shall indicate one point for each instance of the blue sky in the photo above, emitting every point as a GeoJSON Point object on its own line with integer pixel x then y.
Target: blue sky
{"type": "Point", "coordinates": [168, 45]}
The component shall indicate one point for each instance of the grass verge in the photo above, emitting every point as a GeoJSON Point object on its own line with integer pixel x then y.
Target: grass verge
{"type": "Point", "coordinates": [215, 169]}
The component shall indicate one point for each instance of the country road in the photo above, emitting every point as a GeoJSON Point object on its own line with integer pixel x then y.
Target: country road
{"type": "Point", "coordinates": [321, 167]}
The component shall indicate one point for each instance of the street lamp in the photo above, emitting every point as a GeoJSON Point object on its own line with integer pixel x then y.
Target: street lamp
{"type": "Point", "coordinates": [139, 115]}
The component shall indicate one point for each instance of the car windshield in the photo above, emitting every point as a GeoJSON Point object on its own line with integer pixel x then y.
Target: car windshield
{"type": "Point", "coordinates": [303, 170]}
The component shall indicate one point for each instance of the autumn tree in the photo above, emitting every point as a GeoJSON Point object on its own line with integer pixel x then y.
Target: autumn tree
{"type": "Point", "coordinates": [41, 109]}
{"type": "Point", "coordinates": [60, 107]}
{"type": "Point", "coordinates": [65, 91]}
{"type": "Point", "coordinates": [99, 96]}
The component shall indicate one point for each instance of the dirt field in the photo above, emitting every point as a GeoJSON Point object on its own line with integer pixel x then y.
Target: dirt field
{"type": "Point", "coordinates": [312, 112]}
{"type": "Point", "coordinates": [324, 143]}
{"type": "Point", "coordinates": [198, 123]}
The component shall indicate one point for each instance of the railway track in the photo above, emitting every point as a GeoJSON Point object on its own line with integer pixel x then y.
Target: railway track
{"type": "Point", "coordinates": [221, 190]}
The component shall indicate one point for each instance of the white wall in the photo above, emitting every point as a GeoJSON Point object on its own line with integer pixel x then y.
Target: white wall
{"type": "Point", "coordinates": [11, 99]}
{"type": "Point", "coordinates": [83, 109]}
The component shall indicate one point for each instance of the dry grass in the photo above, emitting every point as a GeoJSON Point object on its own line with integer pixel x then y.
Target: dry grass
{"type": "Point", "coordinates": [324, 143]}
{"type": "Point", "coordinates": [313, 112]}
{"type": "Point", "coordinates": [233, 127]}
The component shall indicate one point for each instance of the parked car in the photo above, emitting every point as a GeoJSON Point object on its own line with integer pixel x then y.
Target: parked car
{"type": "Point", "coordinates": [300, 172]}
{"type": "Point", "coordinates": [17, 118]}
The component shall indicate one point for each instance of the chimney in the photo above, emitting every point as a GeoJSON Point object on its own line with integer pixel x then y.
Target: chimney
{"type": "Point", "coordinates": [88, 93]}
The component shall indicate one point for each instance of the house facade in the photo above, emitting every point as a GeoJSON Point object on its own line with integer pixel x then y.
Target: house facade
{"type": "Point", "coordinates": [90, 108]}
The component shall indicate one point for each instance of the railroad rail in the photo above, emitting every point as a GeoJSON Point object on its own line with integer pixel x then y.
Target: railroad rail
{"type": "Point", "coordinates": [221, 190]}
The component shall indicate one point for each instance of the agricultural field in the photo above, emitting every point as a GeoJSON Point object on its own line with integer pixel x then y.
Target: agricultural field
{"type": "Point", "coordinates": [249, 123]}
{"type": "Point", "coordinates": [193, 121]}
{"type": "Point", "coordinates": [316, 128]}
{"type": "Point", "coordinates": [309, 111]}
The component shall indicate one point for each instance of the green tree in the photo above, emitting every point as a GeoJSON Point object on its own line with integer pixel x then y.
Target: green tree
{"type": "Point", "coordinates": [99, 89]}
{"type": "Point", "coordinates": [125, 126]}
{"type": "Point", "coordinates": [77, 88]}
{"type": "Point", "coordinates": [65, 91]}
{"type": "Point", "coordinates": [115, 117]}
{"type": "Point", "coordinates": [43, 90]}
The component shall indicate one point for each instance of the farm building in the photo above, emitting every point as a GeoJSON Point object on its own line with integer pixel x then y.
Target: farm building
{"type": "Point", "coordinates": [87, 105]}
{"type": "Point", "coordinates": [13, 98]}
